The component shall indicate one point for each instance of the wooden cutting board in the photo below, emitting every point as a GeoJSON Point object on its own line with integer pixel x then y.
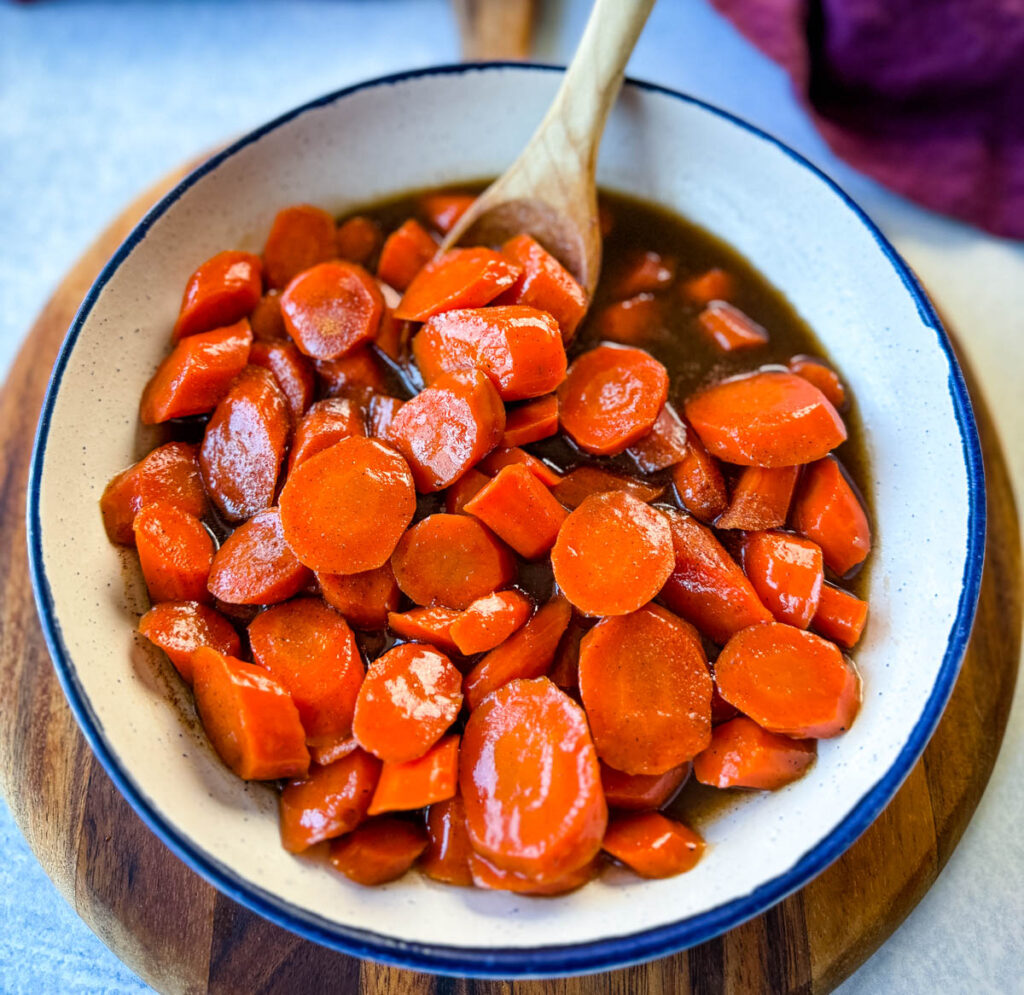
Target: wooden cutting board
{"type": "Point", "coordinates": [181, 935]}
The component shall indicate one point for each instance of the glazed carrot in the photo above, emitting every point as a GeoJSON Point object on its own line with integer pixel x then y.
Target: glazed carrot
{"type": "Point", "coordinates": [461, 278]}
{"type": "Point", "coordinates": [292, 371]}
{"type": "Point", "coordinates": [545, 284]}
{"type": "Point", "coordinates": [653, 846]}
{"type": "Point", "coordinates": [328, 802]}
{"type": "Point", "coordinates": [410, 697]}
{"type": "Point", "coordinates": [175, 553]}
{"type": "Point", "coordinates": [489, 621]}
{"type": "Point", "coordinates": [345, 509]}
{"type": "Point", "coordinates": [729, 328]}
{"type": "Point", "coordinates": [266, 319]}
{"type": "Point", "coordinates": [330, 752]}
{"type": "Point", "coordinates": [249, 717]}
{"type": "Point", "coordinates": [379, 850]}
{"type": "Point", "coordinates": [721, 710]}
{"type": "Point", "coordinates": [446, 857]}
{"type": "Point", "coordinates": [760, 499]}
{"type": "Point", "coordinates": [579, 484]}
{"type": "Point", "coordinates": [451, 560]}
{"type": "Point", "coordinates": [393, 334]}
{"type": "Point", "coordinates": [357, 372]}
{"type": "Point", "coordinates": [331, 309]}
{"type": "Point", "coordinates": [406, 251]}
{"type": "Point", "coordinates": [181, 627]}
{"type": "Point", "coordinates": [643, 272]}
{"type": "Point", "coordinates": [324, 424]}
{"type": "Point", "coordinates": [527, 653]}
{"type": "Point", "coordinates": [530, 422]}
{"type": "Point", "coordinates": [197, 374]}
{"type": "Point", "coordinates": [488, 876]}
{"type": "Point", "coordinates": [499, 458]}
{"type": "Point", "coordinates": [840, 616]}
{"type": "Point", "coordinates": [443, 210]}
{"type": "Point", "coordinates": [822, 376]}
{"type": "Point", "coordinates": [711, 285]}
{"type": "Point", "coordinates": [357, 239]}
{"type": "Point", "coordinates": [244, 445]}
{"type": "Point", "coordinates": [530, 782]}
{"type": "Point", "coordinates": [565, 667]}
{"type": "Point", "coordinates": [787, 573]}
{"type": "Point", "coordinates": [411, 784]}
{"type": "Point", "coordinates": [646, 689]}
{"type": "Point", "coordinates": [447, 428]}
{"type": "Point", "coordinates": [707, 587]}
{"type": "Point", "coordinates": [789, 681]}
{"type": "Point", "coordinates": [383, 409]}
{"type": "Point", "coordinates": [828, 511]}
{"type": "Point", "coordinates": [698, 481]}
{"type": "Point", "coordinates": [611, 398]}
{"type": "Point", "coordinates": [518, 347]}
{"type": "Point", "coordinates": [365, 599]}
{"type": "Point", "coordinates": [426, 625]}
{"type": "Point", "coordinates": [772, 418]}
{"type": "Point", "coordinates": [310, 650]}
{"type": "Point", "coordinates": [222, 291]}
{"type": "Point", "coordinates": [635, 321]}
{"type": "Point", "coordinates": [613, 554]}
{"type": "Point", "coordinates": [642, 792]}
{"type": "Point", "coordinates": [520, 509]}
{"type": "Point", "coordinates": [743, 755]}
{"type": "Point", "coordinates": [456, 496]}
{"type": "Point", "coordinates": [299, 238]}
{"type": "Point", "coordinates": [663, 446]}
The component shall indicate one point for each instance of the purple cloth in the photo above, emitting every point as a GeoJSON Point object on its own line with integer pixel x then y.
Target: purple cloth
{"type": "Point", "coordinates": [925, 96]}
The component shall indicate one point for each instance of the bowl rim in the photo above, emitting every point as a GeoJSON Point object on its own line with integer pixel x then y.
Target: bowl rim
{"type": "Point", "coordinates": [507, 962]}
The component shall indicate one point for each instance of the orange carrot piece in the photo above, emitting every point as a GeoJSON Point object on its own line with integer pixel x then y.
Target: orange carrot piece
{"type": "Point", "coordinates": [179, 628]}
{"type": "Point", "coordinates": [292, 371]}
{"type": "Point", "coordinates": [530, 422]}
{"type": "Point", "coordinates": [365, 599]}
{"type": "Point", "coordinates": [787, 573]}
{"type": "Point", "coordinates": [743, 755]}
{"type": "Point", "coordinates": [406, 251]}
{"type": "Point", "coordinates": [760, 499]}
{"type": "Point", "coordinates": [489, 621]}
{"type": "Point", "coordinates": [565, 667]}
{"type": "Point", "coordinates": [490, 877]}
{"type": "Point", "coordinates": [393, 334]}
{"type": "Point", "coordinates": [461, 278]}
{"type": "Point", "coordinates": [643, 272]}
{"type": "Point", "coordinates": [642, 792]}
{"type": "Point", "coordinates": [378, 851]}
{"type": "Point", "coordinates": [383, 408]}
{"type": "Point", "coordinates": [499, 458]}
{"type": "Point", "coordinates": [266, 319]}
{"type": "Point", "coordinates": [840, 616]}
{"type": "Point", "coordinates": [729, 328]}
{"type": "Point", "coordinates": [324, 424]}
{"type": "Point", "coordinates": [300, 237]}
{"type": "Point", "coordinates": [652, 845]}
{"type": "Point", "coordinates": [356, 372]}
{"type": "Point", "coordinates": [175, 553]}
{"type": "Point", "coordinates": [222, 291]}
{"type": "Point", "coordinates": [721, 710]}
{"type": "Point", "coordinates": [443, 210]}
{"type": "Point", "coordinates": [698, 481]}
{"type": "Point", "coordinates": [332, 751]}
{"type": "Point", "coordinates": [822, 376]}
{"type": "Point", "coordinates": [357, 239]}
{"type": "Point", "coordinates": [579, 484]}
{"type": "Point", "coordinates": [456, 496]}
{"type": "Point", "coordinates": [426, 625]}
{"type": "Point", "coordinates": [446, 857]}
{"type": "Point", "coordinates": [711, 285]}
{"type": "Point", "coordinates": [663, 446]}
{"type": "Point", "coordinates": [412, 784]}
{"type": "Point", "coordinates": [635, 321]}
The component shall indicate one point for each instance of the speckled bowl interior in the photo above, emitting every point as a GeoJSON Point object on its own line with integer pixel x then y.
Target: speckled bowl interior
{"type": "Point", "coordinates": [441, 127]}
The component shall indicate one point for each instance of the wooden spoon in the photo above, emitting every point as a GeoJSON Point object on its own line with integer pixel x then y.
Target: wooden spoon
{"type": "Point", "coordinates": [550, 191]}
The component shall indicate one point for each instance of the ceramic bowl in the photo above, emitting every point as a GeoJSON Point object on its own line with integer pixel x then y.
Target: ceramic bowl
{"type": "Point", "coordinates": [445, 126]}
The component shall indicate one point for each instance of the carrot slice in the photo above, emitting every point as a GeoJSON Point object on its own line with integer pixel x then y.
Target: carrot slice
{"type": "Point", "coordinates": [530, 782]}
{"type": "Point", "coordinates": [345, 509]}
{"type": "Point", "coordinates": [291, 370]}
{"type": "Point", "coordinates": [789, 681]}
{"type": "Point", "coordinates": [406, 251]}
{"type": "Point", "coordinates": [365, 599]}
{"type": "Point", "coordinates": [721, 710]}
{"type": "Point", "coordinates": [197, 374]}
{"type": "Point", "coordinates": [772, 418]}
{"type": "Point", "coordinates": [383, 409]}
{"type": "Point", "coordinates": [244, 445]}
{"type": "Point", "coordinates": [426, 625]}
{"type": "Point", "coordinates": [411, 784]}
{"type": "Point", "coordinates": [707, 587]}
{"type": "Point", "coordinates": [613, 554]}
{"type": "Point", "coordinates": [663, 446]}
{"type": "Point", "coordinates": [357, 372]}
{"type": "Point", "coordinates": [489, 621]}
{"type": "Point", "coordinates": [579, 484]}
{"type": "Point", "coordinates": [642, 792]}
{"type": "Point", "coordinates": [635, 321]}
{"type": "Point", "coordinates": [410, 697]}
{"type": "Point", "coordinates": [653, 846]}
{"type": "Point", "coordinates": [822, 376]}
{"type": "Point", "coordinates": [300, 237]}
{"type": "Point", "coordinates": [222, 291]}
{"type": "Point", "coordinates": [266, 319]}
{"type": "Point", "coordinates": [447, 428]}
{"type": "Point", "coordinates": [443, 210]}
{"type": "Point", "coordinates": [643, 272]}
{"type": "Point", "coordinates": [393, 334]}
{"type": "Point", "coordinates": [711, 285]}
{"type": "Point", "coordinates": [461, 278]}
{"type": "Point", "coordinates": [729, 328]}
{"type": "Point", "coordinates": [249, 718]}
{"type": "Point", "coordinates": [451, 560]}
{"type": "Point", "coordinates": [760, 499]}
{"type": "Point", "coordinates": [787, 573]}
{"type": "Point", "coordinates": [828, 512]}
{"type": "Point", "coordinates": [531, 422]}
{"type": "Point", "coordinates": [255, 566]}
{"type": "Point", "coordinates": [446, 857]}
{"type": "Point", "coordinates": [840, 616]}
{"type": "Point", "coordinates": [646, 689]}
{"type": "Point", "coordinates": [611, 398]}
{"type": "Point", "coordinates": [462, 490]}
{"type": "Point", "coordinates": [357, 239]}
{"type": "Point", "coordinates": [698, 481]}
{"type": "Point", "coordinates": [566, 665]}
{"type": "Point", "coordinates": [329, 801]}
{"type": "Point", "coordinates": [492, 878]}
{"type": "Point", "coordinates": [743, 755]}
{"type": "Point", "coordinates": [527, 653]}
{"type": "Point", "coordinates": [324, 424]}
{"type": "Point", "coordinates": [330, 752]}
{"type": "Point", "coordinates": [499, 458]}
{"type": "Point", "coordinates": [175, 553]}
{"type": "Point", "coordinates": [181, 627]}
{"type": "Point", "coordinates": [378, 851]}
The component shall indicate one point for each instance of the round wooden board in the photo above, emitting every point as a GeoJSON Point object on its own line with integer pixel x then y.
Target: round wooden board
{"type": "Point", "coordinates": [180, 935]}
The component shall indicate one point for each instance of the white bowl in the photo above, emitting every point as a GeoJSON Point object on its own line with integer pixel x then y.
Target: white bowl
{"type": "Point", "coordinates": [446, 126]}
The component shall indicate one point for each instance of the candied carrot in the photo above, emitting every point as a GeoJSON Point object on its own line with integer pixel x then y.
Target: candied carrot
{"type": "Point", "coordinates": [357, 239]}
{"type": "Point", "coordinates": [663, 446]}
{"type": "Point", "coordinates": [486, 875]}
{"type": "Point", "coordinates": [840, 616]}
{"type": "Point", "coordinates": [787, 573]}
{"type": "Point", "coordinates": [406, 251]}
{"type": "Point", "coordinates": [357, 371]}
{"type": "Point", "coordinates": [365, 599]}
{"type": "Point", "coordinates": [635, 321]}
{"type": "Point", "coordinates": [448, 851]}
{"type": "Point", "coordinates": [456, 496]}
{"type": "Point", "coordinates": [412, 784]}
{"type": "Point", "coordinates": [760, 499]}
{"type": "Point", "coordinates": [324, 424]}
{"type": "Point", "coordinates": [698, 481]}
{"type": "Point", "coordinates": [564, 670]}
{"type": "Point", "coordinates": [443, 210]}
{"type": "Point", "coordinates": [642, 792]}
{"type": "Point", "coordinates": [652, 845]}
{"type": "Point", "coordinates": [461, 278]}
{"type": "Point", "coordinates": [175, 553]}
{"type": "Point", "coordinates": [426, 625]}
{"type": "Point", "coordinates": [222, 291]}
{"type": "Point", "coordinates": [378, 851]}
{"type": "Point", "coordinates": [499, 458]}
{"type": "Point", "coordinates": [292, 371]}
{"type": "Point", "coordinates": [579, 484]}
{"type": "Point", "coordinates": [729, 328]}
{"type": "Point", "coordinates": [530, 422]}
{"type": "Point", "coordinates": [266, 319]}
{"type": "Point", "coordinates": [643, 272]}
{"type": "Point", "coordinates": [489, 621]}
{"type": "Point", "coordinates": [743, 755]}
{"type": "Point", "coordinates": [383, 409]}
{"type": "Point", "coordinates": [711, 285]}
{"type": "Point", "coordinates": [179, 628]}
{"type": "Point", "coordinates": [300, 237]}
{"type": "Point", "coordinates": [822, 376]}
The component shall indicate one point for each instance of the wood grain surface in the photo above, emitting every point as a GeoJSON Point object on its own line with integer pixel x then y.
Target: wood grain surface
{"type": "Point", "coordinates": [180, 935]}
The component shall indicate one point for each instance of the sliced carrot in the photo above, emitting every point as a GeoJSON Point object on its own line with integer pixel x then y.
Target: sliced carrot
{"type": "Point", "coordinates": [729, 328]}
{"type": "Point", "coordinates": [181, 627]}
{"type": "Point", "coordinates": [743, 755]}
{"type": "Point", "coordinates": [222, 291]}
{"type": "Point", "coordinates": [707, 587]}
{"type": "Point", "coordinates": [531, 422]}
{"type": "Point", "coordinates": [443, 210]}
{"type": "Point", "coordinates": [249, 718]}
{"type": "Point", "coordinates": [828, 511]}
{"type": "Point", "coordinates": [328, 802]}
{"type": "Point", "coordinates": [579, 484]}
{"type": "Point", "coordinates": [378, 851]}
{"type": "Point", "coordinates": [448, 428]}
{"type": "Point", "coordinates": [490, 877]}
{"type": "Point", "coordinates": [451, 560]}
{"type": "Point", "coordinates": [840, 616]}
{"type": "Point", "coordinates": [611, 398]}
{"type": "Point", "coordinates": [456, 496]}
{"type": "Point", "coordinates": [345, 509]}
{"type": "Point", "coordinates": [357, 372]}
{"type": "Point", "coordinates": [357, 239]}
{"type": "Point", "coordinates": [499, 458]}
{"type": "Point", "coordinates": [527, 653]}
{"type": "Point", "coordinates": [565, 667]}
{"type": "Point", "coordinates": [613, 554]}
{"type": "Point", "coordinates": [332, 751]}
{"type": "Point", "coordinates": [197, 374]}
{"type": "Point", "coordinates": [711, 285]}
{"type": "Point", "coordinates": [300, 237]}
{"type": "Point", "coordinates": [663, 446]}
{"type": "Point", "coordinates": [698, 481]}
{"type": "Point", "coordinates": [787, 573]}
{"type": "Point", "coordinates": [412, 784]}
{"type": "Point", "coordinates": [531, 783]}
{"type": "Point", "coordinates": [760, 499]}
{"type": "Point", "coordinates": [646, 689]}
{"type": "Point", "coordinates": [448, 851]}
{"type": "Point", "coordinates": [489, 621]}
{"type": "Point", "coordinates": [310, 649]}
{"type": "Point", "coordinates": [175, 553]}
{"type": "Point", "coordinates": [642, 792]}
{"type": "Point", "coordinates": [426, 625]}
{"type": "Point", "coordinates": [641, 272]}
{"type": "Point", "coordinates": [244, 445]}
{"type": "Point", "coordinates": [406, 251]}
{"type": "Point", "coordinates": [266, 319]}
{"type": "Point", "coordinates": [721, 710]}
{"type": "Point", "coordinates": [365, 599]}
{"type": "Point", "coordinates": [410, 697]}
{"type": "Point", "coordinates": [383, 409]}
{"type": "Point", "coordinates": [822, 376]}
{"type": "Point", "coordinates": [327, 422]}
{"type": "Point", "coordinates": [636, 321]}
{"type": "Point", "coordinates": [461, 278]}
{"type": "Point", "coordinates": [772, 418]}
{"type": "Point", "coordinates": [292, 371]}
{"type": "Point", "coordinates": [393, 334]}
{"type": "Point", "coordinates": [652, 845]}
{"type": "Point", "coordinates": [789, 681]}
